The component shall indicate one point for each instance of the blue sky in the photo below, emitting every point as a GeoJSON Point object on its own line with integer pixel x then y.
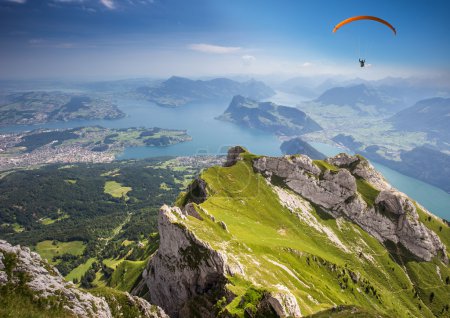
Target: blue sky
{"type": "Point", "coordinates": [128, 38]}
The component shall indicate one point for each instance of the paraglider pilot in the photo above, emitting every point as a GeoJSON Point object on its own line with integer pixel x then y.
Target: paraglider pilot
{"type": "Point", "coordinates": [362, 62]}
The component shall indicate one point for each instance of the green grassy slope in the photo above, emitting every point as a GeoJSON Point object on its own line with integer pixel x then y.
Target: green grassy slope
{"type": "Point", "coordinates": [276, 247]}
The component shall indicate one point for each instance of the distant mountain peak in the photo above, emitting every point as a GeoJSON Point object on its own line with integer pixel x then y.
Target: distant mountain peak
{"type": "Point", "coordinates": [429, 115]}
{"type": "Point", "coordinates": [177, 91]}
{"type": "Point", "coordinates": [268, 116]}
{"type": "Point", "coordinates": [359, 96]}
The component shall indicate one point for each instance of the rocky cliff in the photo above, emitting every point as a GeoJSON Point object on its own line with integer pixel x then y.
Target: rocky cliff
{"type": "Point", "coordinates": [349, 186]}
{"type": "Point", "coordinates": [291, 236]}
{"type": "Point", "coordinates": [26, 277]}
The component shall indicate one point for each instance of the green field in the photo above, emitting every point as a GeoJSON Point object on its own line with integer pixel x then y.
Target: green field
{"type": "Point", "coordinates": [48, 221]}
{"type": "Point", "coordinates": [116, 189]}
{"type": "Point", "coordinates": [112, 263]}
{"type": "Point", "coordinates": [80, 270]}
{"type": "Point", "coordinates": [17, 228]}
{"type": "Point", "coordinates": [126, 274]}
{"type": "Point", "coordinates": [48, 250]}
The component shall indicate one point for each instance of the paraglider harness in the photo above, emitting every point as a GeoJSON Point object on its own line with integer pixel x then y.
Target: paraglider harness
{"type": "Point", "coordinates": [362, 62]}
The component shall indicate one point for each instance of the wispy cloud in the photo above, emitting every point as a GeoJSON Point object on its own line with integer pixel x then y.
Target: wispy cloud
{"type": "Point", "coordinates": [17, 1]}
{"type": "Point", "coordinates": [214, 49]}
{"type": "Point", "coordinates": [248, 59]}
{"type": "Point", "coordinates": [109, 4]}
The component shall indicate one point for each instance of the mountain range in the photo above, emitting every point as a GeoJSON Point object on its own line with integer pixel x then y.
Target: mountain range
{"type": "Point", "coordinates": [407, 90]}
{"type": "Point", "coordinates": [179, 91]}
{"type": "Point", "coordinates": [360, 96]}
{"type": "Point", "coordinates": [430, 115]}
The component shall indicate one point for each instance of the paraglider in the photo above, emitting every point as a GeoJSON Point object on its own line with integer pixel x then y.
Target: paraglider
{"type": "Point", "coordinates": [364, 17]}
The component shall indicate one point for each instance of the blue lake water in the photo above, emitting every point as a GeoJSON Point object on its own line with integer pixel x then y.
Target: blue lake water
{"type": "Point", "coordinates": [211, 136]}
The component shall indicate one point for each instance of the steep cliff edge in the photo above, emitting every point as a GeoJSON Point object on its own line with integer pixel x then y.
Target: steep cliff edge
{"type": "Point", "coordinates": [30, 287]}
{"type": "Point", "coordinates": [291, 237]}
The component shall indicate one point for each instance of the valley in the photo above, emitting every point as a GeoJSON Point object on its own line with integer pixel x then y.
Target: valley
{"type": "Point", "coordinates": [94, 218]}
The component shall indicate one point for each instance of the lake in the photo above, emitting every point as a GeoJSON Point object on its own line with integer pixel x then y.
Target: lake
{"type": "Point", "coordinates": [211, 136]}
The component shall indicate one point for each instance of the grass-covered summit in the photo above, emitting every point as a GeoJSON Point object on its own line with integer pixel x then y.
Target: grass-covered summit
{"type": "Point", "coordinates": [289, 236]}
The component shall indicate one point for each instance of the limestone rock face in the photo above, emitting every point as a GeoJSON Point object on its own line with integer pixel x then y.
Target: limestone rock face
{"type": "Point", "coordinates": [361, 168]}
{"type": "Point", "coordinates": [284, 303]}
{"type": "Point", "coordinates": [233, 155]}
{"type": "Point", "coordinates": [413, 234]}
{"type": "Point", "coordinates": [45, 281]}
{"type": "Point", "coordinates": [302, 176]}
{"type": "Point", "coordinates": [183, 267]}
{"type": "Point", "coordinates": [393, 216]}
{"type": "Point", "coordinates": [146, 309]}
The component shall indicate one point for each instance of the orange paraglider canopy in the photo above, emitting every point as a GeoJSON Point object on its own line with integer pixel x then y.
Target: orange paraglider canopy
{"type": "Point", "coordinates": [364, 17]}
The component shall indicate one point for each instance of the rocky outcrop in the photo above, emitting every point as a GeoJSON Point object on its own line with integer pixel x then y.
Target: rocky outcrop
{"type": "Point", "coordinates": [196, 192]}
{"type": "Point", "coordinates": [183, 267]}
{"type": "Point", "coordinates": [361, 168]}
{"type": "Point", "coordinates": [305, 178]}
{"type": "Point", "coordinates": [233, 155]}
{"type": "Point", "coordinates": [391, 217]}
{"type": "Point", "coordinates": [283, 303]}
{"type": "Point", "coordinates": [20, 267]}
{"type": "Point", "coordinates": [186, 268]}
{"type": "Point", "coordinates": [410, 232]}
{"type": "Point", "coordinates": [145, 308]}
{"type": "Point", "coordinates": [45, 282]}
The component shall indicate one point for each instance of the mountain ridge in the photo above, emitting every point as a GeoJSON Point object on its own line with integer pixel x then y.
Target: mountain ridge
{"type": "Point", "coordinates": [429, 115]}
{"type": "Point", "coordinates": [269, 117]}
{"type": "Point", "coordinates": [178, 91]}
{"type": "Point", "coordinates": [214, 260]}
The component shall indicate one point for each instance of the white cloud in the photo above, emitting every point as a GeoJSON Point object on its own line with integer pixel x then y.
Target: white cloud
{"type": "Point", "coordinates": [17, 1]}
{"type": "Point", "coordinates": [307, 64]}
{"type": "Point", "coordinates": [215, 49]}
{"type": "Point", "coordinates": [248, 60]}
{"type": "Point", "coordinates": [108, 3]}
